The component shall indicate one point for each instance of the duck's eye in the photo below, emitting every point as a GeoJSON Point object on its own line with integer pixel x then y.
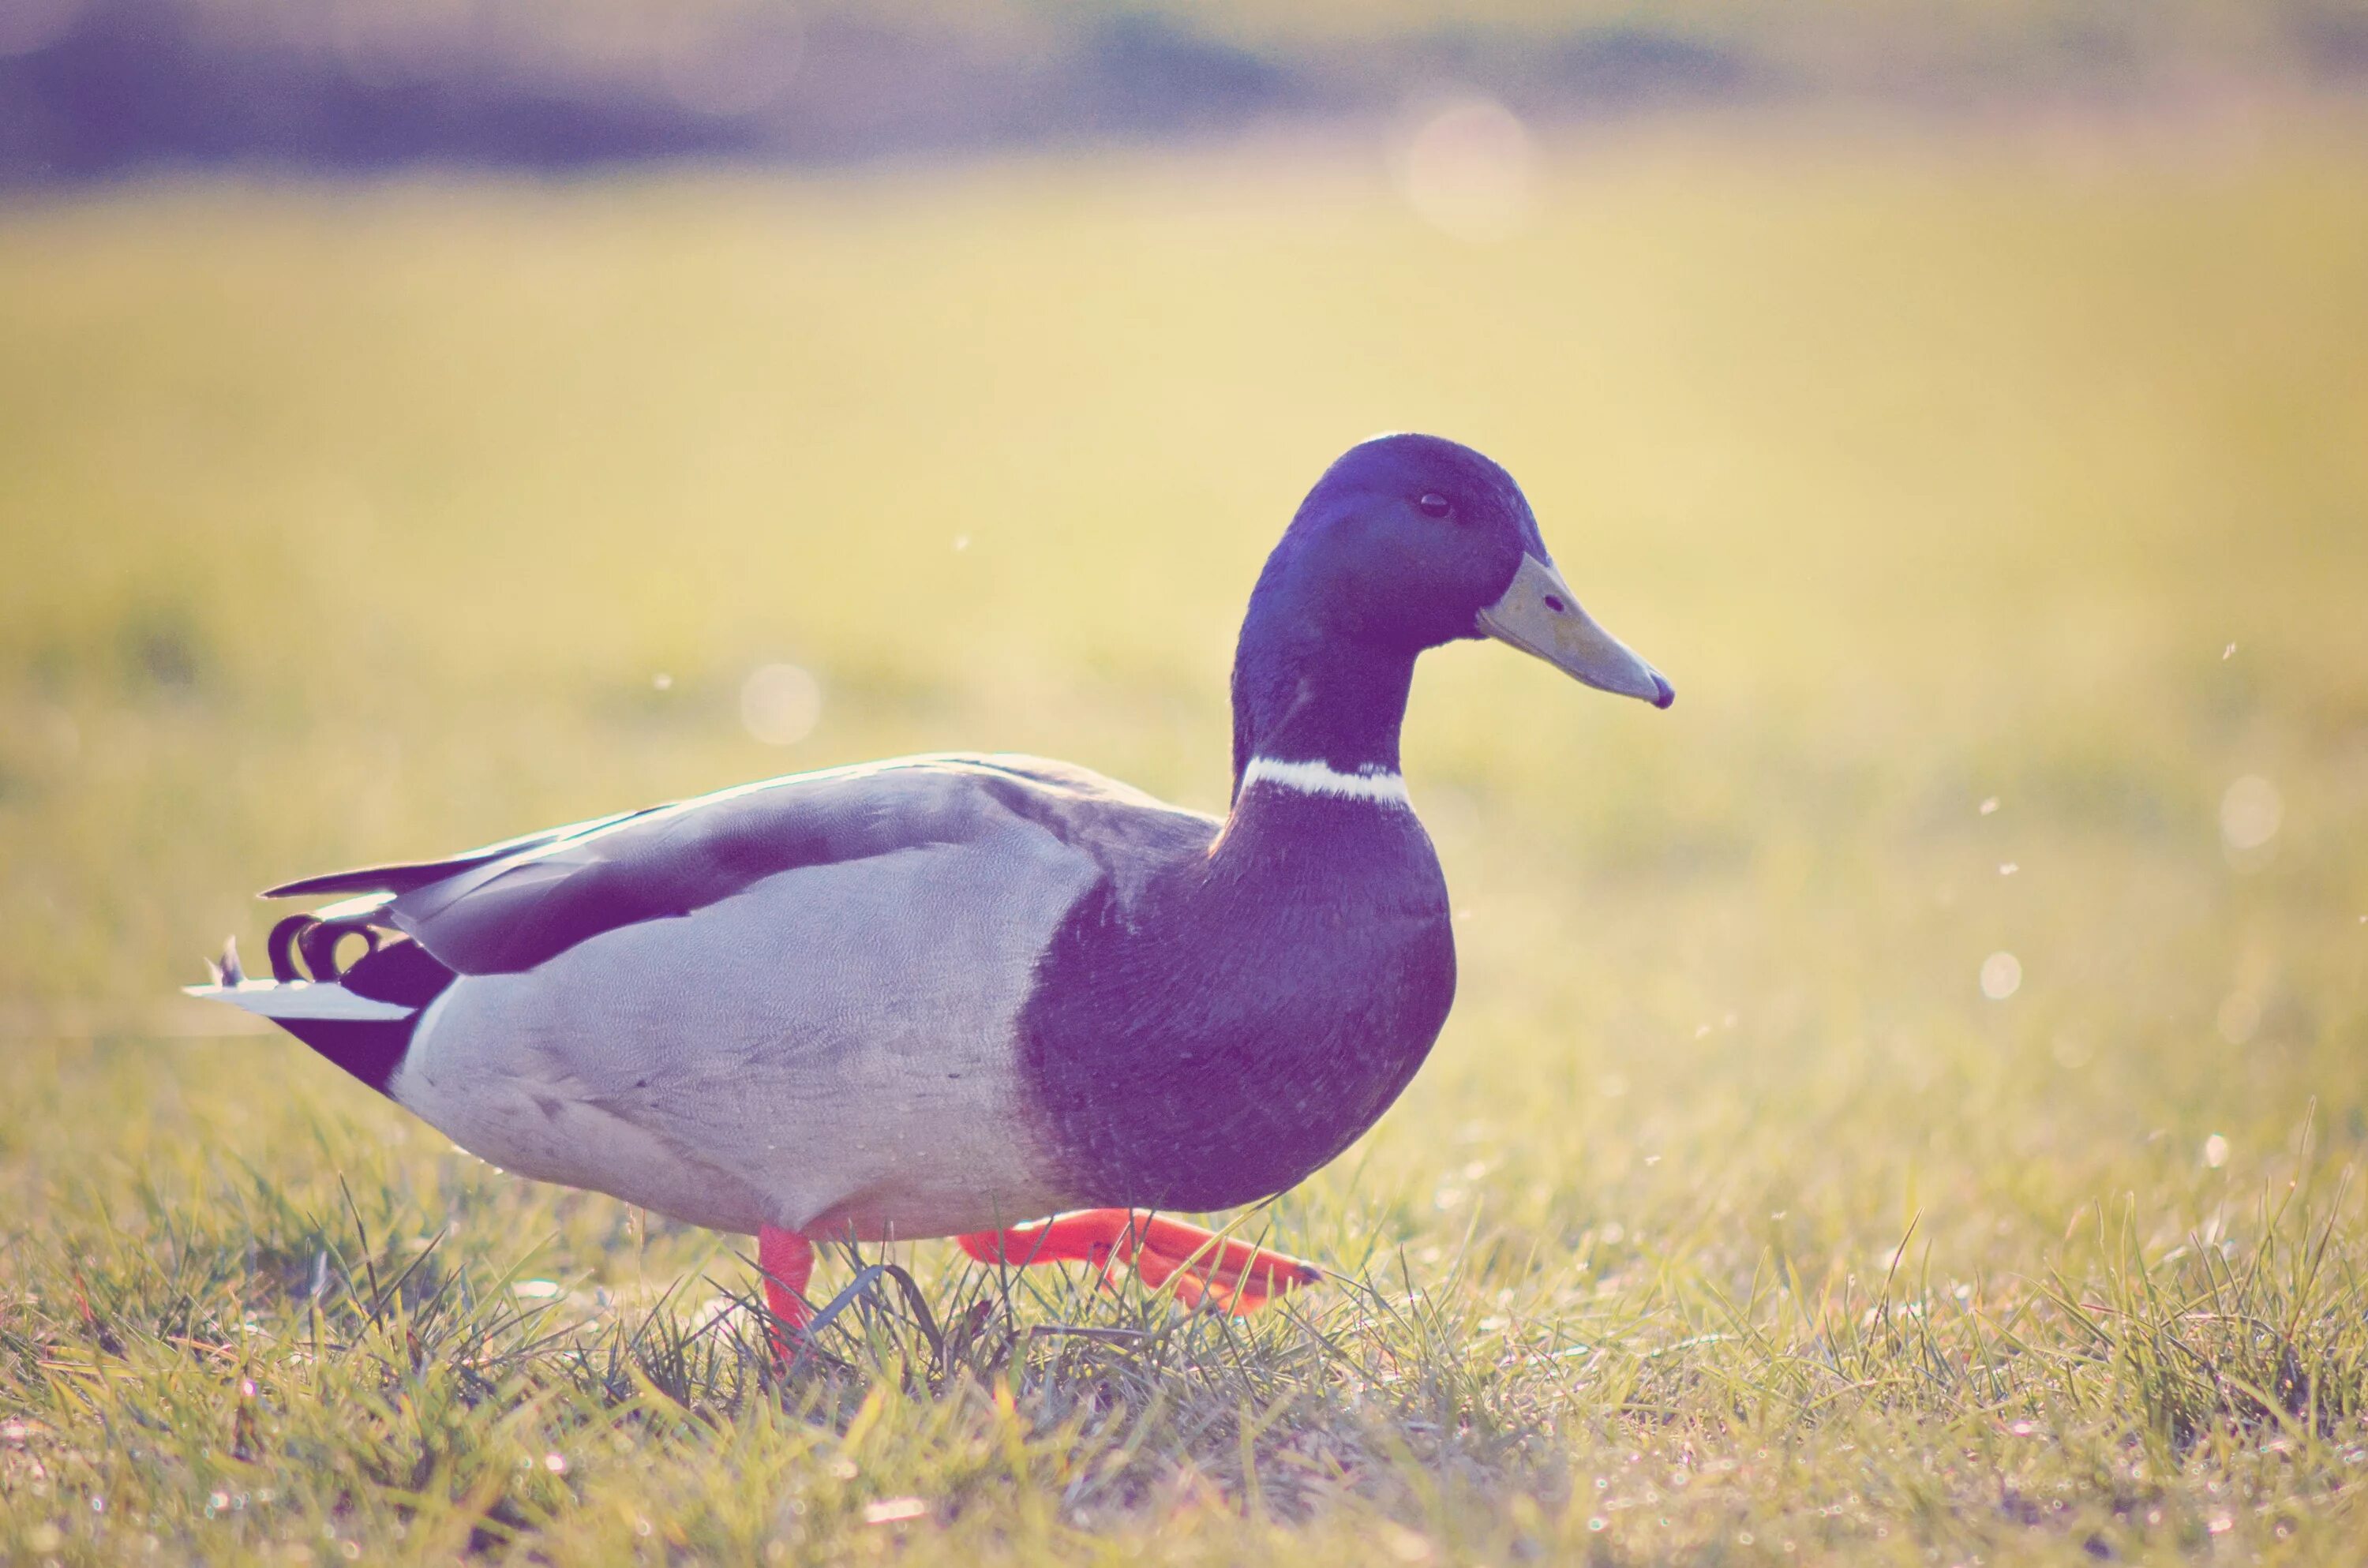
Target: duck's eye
{"type": "Point", "coordinates": [1435, 504]}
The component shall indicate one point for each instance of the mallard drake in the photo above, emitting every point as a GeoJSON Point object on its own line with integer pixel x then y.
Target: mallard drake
{"type": "Point", "coordinates": [951, 995]}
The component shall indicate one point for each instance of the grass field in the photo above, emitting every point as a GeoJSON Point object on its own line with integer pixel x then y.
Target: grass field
{"type": "Point", "coordinates": [2000, 508]}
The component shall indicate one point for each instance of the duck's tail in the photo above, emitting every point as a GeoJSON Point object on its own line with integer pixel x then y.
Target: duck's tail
{"type": "Point", "coordinates": [362, 1017]}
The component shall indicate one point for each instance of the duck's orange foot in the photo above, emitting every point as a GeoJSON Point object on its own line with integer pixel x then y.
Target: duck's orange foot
{"type": "Point", "coordinates": [786, 1260]}
{"type": "Point", "coordinates": [1234, 1275]}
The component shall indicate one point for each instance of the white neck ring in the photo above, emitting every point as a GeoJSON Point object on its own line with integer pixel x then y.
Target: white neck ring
{"type": "Point", "coordinates": [1373, 784]}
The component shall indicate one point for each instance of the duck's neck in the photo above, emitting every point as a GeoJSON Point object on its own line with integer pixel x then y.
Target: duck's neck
{"type": "Point", "coordinates": [1318, 714]}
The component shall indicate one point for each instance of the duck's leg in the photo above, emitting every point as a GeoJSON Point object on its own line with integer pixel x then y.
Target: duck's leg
{"type": "Point", "coordinates": [786, 1260]}
{"type": "Point", "coordinates": [1234, 1274]}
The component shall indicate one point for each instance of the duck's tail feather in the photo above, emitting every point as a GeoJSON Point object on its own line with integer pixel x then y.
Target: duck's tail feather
{"type": "Point", "coordinates": [361, 1019]}
{"type": "Point", "coordinates": [225, 970]}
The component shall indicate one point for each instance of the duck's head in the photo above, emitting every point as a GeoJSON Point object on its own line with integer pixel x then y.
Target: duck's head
{"type": "Point", "coordinates": [1410, 542]}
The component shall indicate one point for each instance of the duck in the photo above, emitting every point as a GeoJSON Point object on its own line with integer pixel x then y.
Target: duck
{"type": "Point", "coordinates": [986, 996]}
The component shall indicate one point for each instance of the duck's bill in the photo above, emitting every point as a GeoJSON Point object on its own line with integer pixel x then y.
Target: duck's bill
{"type": "Point", "coordinates": [1540, 615]}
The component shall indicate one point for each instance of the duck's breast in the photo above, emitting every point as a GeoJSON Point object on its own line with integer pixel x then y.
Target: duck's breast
{"type": "Point", "coordinates": [1247, 1019]}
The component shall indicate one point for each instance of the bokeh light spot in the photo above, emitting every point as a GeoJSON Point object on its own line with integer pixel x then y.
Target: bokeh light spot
{"type": "Point", "coordinates": [780, 704]}
{"type": "Point", "coordinates": [2002, 976]}
{"type": "Point", "coordinates": [1468, 170]}
{"type": "Point", "coordinates": [2250, 813]}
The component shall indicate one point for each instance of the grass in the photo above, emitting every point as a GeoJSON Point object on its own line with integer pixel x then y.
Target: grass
{"type": "Point", "coordinates": [1996, 506]}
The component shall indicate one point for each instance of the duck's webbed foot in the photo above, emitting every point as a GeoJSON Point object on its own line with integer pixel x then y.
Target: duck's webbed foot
{"type": "Point", "coordinates": [1232, 1275]}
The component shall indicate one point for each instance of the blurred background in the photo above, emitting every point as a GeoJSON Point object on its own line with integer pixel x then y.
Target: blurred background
{"type": "Point", "coordinates": [99, 86]}
{"type": "Point", "coordinates": [423, 422]}
{"type": "Point", "coordinates": [103, 86]}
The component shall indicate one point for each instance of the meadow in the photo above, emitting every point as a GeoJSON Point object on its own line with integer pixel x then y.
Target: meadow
{"type": "Point", "coordinates": [1906, 1103]}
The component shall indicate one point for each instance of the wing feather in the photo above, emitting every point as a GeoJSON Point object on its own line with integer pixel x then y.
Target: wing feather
{"type": "Point", "coordinates": [404, 876]}
{"type": "Point", "coordinates": [510, 906]}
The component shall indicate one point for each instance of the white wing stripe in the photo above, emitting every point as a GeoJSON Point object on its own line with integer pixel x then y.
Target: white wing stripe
{"type": "Point", "coordinates": [300, 999]}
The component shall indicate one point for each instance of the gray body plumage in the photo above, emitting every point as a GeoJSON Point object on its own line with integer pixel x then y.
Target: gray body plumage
{"type": "Point", "coordinates": [790, 1003]}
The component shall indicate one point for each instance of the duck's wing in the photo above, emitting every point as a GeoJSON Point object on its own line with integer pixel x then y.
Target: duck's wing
{"type": "Point", "coordinates": [791, 1003]}
{"type": "Point", "coordinates": [511, 906]}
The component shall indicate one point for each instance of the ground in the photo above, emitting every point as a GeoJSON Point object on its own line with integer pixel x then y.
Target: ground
{"type": "Point", "coordinates": [1903, 1104]}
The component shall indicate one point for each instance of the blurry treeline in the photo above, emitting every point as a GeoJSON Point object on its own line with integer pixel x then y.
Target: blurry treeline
{"type": "Point", "coordinates": [93, 87]}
